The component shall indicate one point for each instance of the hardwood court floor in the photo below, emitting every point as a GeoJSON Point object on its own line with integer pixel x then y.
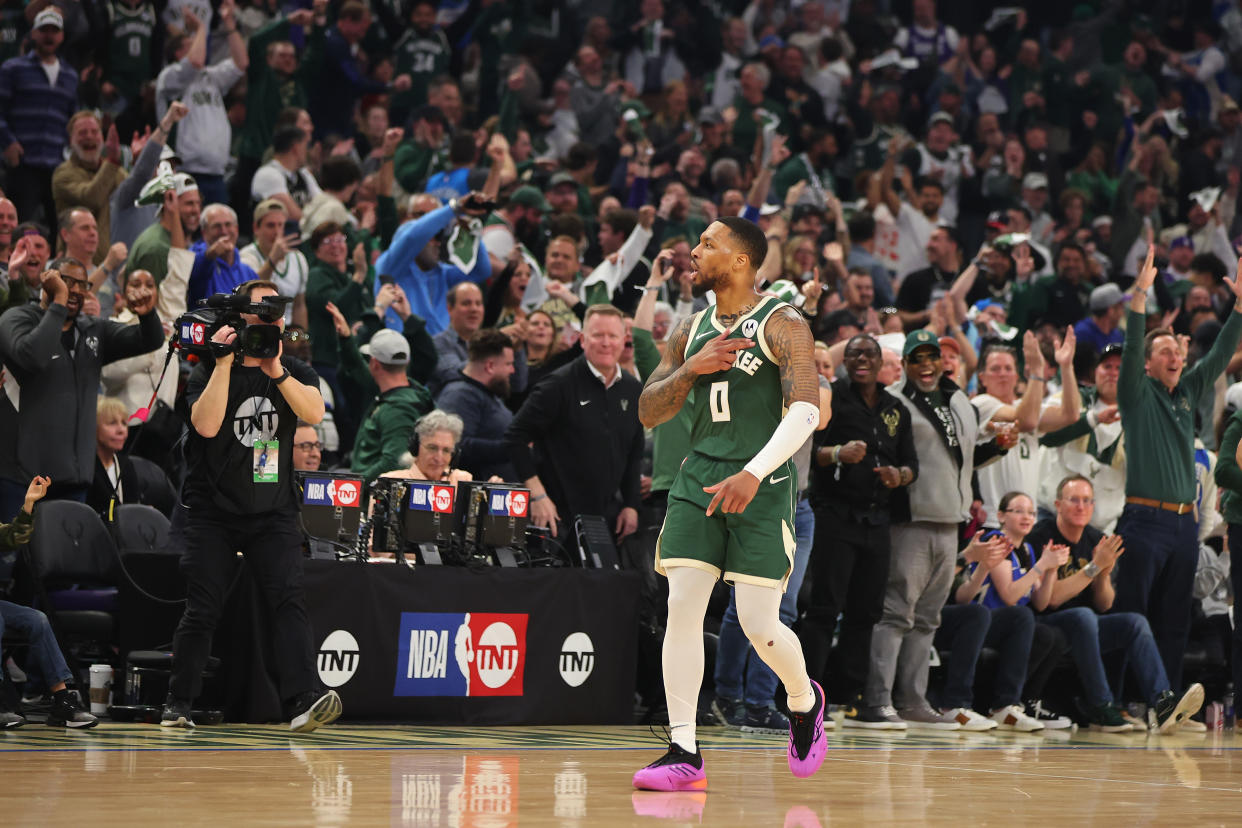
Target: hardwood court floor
{"type": "Point", "coordinates": [577, 776]}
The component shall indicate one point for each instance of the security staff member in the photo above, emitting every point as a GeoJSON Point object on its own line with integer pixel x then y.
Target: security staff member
{"type": "Point", "coordinates": [864, 455]}
{"type": "Point", "coordinates": [239, 496]}
{"type": "Point", "coordinates": [583, 421]}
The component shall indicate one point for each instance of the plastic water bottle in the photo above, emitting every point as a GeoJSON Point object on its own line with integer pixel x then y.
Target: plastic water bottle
{"type": "Point", "coordinates": [1227, 713]}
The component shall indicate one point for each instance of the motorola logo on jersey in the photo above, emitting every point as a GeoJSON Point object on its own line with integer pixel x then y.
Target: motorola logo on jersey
{"type": "Point", "coordinates": [256, 419]}
{"type": "Point", "coordinates": [749, 327]}
{"type": "Point", "coordinates": [338, 658]}
{"type": "Point", "coordinates": [577, 659]}
{"type": "Point", "coordinates": [461, 654]}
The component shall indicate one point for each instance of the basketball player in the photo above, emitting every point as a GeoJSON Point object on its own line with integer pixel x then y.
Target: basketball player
{"type": "Point", "coordinates": [746, 368]}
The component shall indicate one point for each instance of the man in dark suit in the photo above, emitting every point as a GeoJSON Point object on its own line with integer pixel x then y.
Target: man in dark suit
{"type": "Point", "coordinates": [582, 421]}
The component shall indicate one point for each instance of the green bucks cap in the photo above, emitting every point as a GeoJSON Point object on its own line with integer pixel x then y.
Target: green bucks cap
{"type": "Point", "coordinates": [917, 339]}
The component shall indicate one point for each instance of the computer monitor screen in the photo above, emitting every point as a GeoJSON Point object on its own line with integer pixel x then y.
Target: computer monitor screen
{"type": "Point", "coordinates": [428, 511]}
{"type": "Point", "coordinates": [503, 520]}
{"type": "Point", "coordinates": [331, 505]}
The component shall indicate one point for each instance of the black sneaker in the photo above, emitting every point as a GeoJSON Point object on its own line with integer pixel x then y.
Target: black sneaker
{"type": "Point", "coordinates": [10, 720]}
{"type": "Point", "coordinates": [1171, 710]}
{"type": "Point", "coordinates": [1106, 718]}
{"type": "Point", "coordinates": [764, 720]}
{"type": "Point", "coordinates": [176, 713]}
{"type": "Point", "coordinates": [67, 711]}
{"type": "Point", "coordinates": [729, 712]}
{"type": "Point", "coordinates": [873, 718]}
{"type": "Point", "coordinates": [314, 709]}
{"type": "Point", "coordinates": [1051, 720]}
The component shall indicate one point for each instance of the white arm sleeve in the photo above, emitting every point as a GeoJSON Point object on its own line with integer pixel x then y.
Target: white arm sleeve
{"type": "Point", "coordinates": [797, 425]}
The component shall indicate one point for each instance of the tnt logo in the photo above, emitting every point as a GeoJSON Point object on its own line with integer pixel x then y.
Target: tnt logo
{"type": "Point", "coordinates": [198, 333]}
{"type": "Point", "coordinates": [442, 499]}
{"type": "Point", "coordinates": [344, 492]}
{"type": "Point", "coordinates": [517, 503]}
{"type": "Point", "coordinates": [461, 654]}
{"type": "Point", "coordinates": [577, 659]}
{"type": "Point", "coordinates": [338, 658]}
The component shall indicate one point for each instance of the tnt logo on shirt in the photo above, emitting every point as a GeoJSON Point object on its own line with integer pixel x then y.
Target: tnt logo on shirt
{"type": "Point", "coordinates": [461, 654]}
{"type": "Point", "coordinates": [328, 492]}
{"type": "Point", "coordinates": [256, 419]}
{"type": "Point", "coordinates": [430, 497]}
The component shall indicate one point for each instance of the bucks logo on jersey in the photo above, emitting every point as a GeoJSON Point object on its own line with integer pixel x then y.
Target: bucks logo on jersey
{"type": "Point", "coordinates": [734, 412]}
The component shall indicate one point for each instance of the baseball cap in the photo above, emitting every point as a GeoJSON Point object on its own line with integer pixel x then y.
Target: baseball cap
{"type": "Point", "coordinates": [771, 40]}
{"type": "Point", "coordinates": [528, 196]}
{"type": "Point", "coordinates": [1035, 181]}
{"type": "Point", "coordinates": [388, 347]}
{"type": "Point", "coordinates": [1105, 297]}
{"type": "Point", "coordinates": [920, 339]}
{"type": "Point", "coordinates": [50, 16]}
{"type": "Point", "coordinates": [950, 343]}
{"type": "Point", "coordinates": [267, 205]}
{"type": "Point", "coordinates": [1100, 221]}
{"type": "Point", "coordinates": [1111, 349]}
{"type": "Point", "coordinates": [998, 220]}
{"type": "Point", "coordinates": [710, 115]}
{"type": "Point", "coordinates": [1181, 241]}
{"type": "Point", "coordinates": [558, 179]}
{"type": "Point", "coordinates": [940, 117]}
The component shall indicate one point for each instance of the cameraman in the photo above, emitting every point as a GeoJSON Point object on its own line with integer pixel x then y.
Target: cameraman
{"type": "Point", "coordinates": [239, 495]}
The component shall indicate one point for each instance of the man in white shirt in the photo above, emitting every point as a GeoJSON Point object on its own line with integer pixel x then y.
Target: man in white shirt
{"type": "Point", "coordinates": [204, 137]}
{"type": "Point", "coordinates": [286, 177]}
{"type": "Point", "coordinates": [274, 255]}
{"type": "Point", "coordinates": [1018, 471]}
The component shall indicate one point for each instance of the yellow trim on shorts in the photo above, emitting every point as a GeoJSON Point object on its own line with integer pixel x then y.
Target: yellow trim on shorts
{"type": "Point", "coordinates": [662, 566]}
{"type": "Point", "coordinates": [739, 578]}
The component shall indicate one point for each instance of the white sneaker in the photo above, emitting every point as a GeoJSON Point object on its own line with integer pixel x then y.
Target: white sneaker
{"type": "Point", "coordinates": [1192, 726]}
{"type": "Point", "coordinates": [1014, 717]}
{"type": "Point", "coordinates": [1050, 720]}
{"type": "Point", "coordinates": [970, 720]}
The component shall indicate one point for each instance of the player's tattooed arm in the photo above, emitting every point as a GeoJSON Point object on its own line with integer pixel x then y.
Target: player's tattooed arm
{"type": "Point", "coordinates": [670, 383]}
{"type": "Point", "coordinates": [789, 339]}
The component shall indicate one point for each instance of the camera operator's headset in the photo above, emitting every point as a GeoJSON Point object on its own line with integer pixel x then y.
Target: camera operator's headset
{"type": "Point", "coordinates": [414, 446]}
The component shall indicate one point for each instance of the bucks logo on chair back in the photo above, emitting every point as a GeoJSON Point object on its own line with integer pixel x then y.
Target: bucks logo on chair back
{"type": "Point", "coordinates": [734, 412]}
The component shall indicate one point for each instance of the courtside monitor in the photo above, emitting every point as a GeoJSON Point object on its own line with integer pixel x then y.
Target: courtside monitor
{"type": "Point", "coordinates": [331, 505]}
{"type": "Point", "coordinates": [428, 512]}
{"type": "Point", "coordinates": [503, 517]}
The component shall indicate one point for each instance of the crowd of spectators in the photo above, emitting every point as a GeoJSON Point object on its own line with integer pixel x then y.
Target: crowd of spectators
{"type": "Point", "coordinates": [484, 213]}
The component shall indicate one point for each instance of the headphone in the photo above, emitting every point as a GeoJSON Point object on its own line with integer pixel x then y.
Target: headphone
{"type": "Point", "coordinates": [414, 445]}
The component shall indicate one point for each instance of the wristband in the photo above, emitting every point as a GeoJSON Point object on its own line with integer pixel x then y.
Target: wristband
{"type": "Point", "coordinates": [1091, 570]}
{"type": "Point", "coordinates": [836, 455]}
{"type": "Point", "coordinates": [281, 378]}
{"type": "Point", "coordinates": [538, 498]}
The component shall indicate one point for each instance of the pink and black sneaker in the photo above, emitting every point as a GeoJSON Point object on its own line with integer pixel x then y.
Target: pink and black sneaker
{"type": "Point", "coordinates": [677, 770]}
{"type": "Point", "coordinates": [807, 742]}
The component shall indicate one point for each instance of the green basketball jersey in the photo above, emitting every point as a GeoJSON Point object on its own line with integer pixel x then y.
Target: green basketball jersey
{"type": "Point", "coordinates": [733, 413]}
{"type": "Point", "coordinates": [129, 47]}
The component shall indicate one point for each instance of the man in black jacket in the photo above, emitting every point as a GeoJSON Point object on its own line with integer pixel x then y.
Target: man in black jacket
{"type": "Point", "coordinates": [866, 452]}
{"type": "Point", "coordinates": [477, 394]}
{"type": "Point", "coordinates": [583, 422]}
{"type": "Point", "coordinates": [52, 355]}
